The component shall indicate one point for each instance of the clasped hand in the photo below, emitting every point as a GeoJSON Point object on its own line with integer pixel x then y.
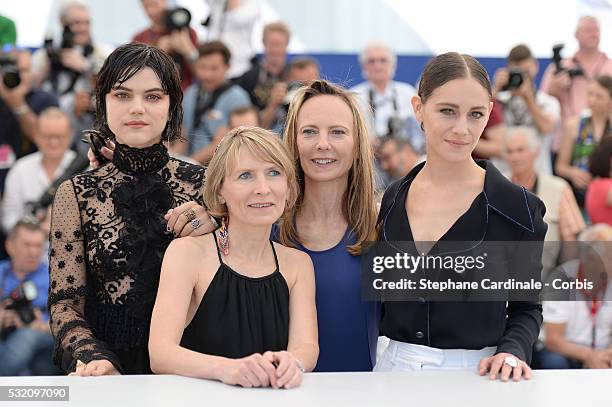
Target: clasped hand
{"type": "Point", "coordinates": [272, 369]}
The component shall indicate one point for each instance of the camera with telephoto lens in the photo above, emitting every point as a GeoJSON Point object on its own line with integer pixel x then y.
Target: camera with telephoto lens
{"type": "Point", "coordinates": [53, 53]}
{"type": "Point", "coordinates": [177, 18]}
{"type": "Point", "coordinates": [515, 79]}
{"type": "Point", "coordinates": [20, 301]}
{"type": "Point", "coordinates": [67, 38]}
{"type": "Point", "coordinates": [9, 71]}
{"type": "Point", "coordinates": [572, 72]}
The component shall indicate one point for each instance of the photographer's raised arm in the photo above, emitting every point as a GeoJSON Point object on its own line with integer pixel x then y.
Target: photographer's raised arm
{"type": "Point", "coordinates": [74, 339]}
{"type": "Point", "coordinates": [277, 94]}
{"type": "Point", "coordinates": [555, 84]}
{"type": "Point", "coordinates": [16, 102]}
{"type": "Point", "coordinates": [545, 121]}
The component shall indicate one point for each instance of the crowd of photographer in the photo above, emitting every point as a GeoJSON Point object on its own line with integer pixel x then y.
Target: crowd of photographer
{"type": "Point", "coordinates": [554, 140]}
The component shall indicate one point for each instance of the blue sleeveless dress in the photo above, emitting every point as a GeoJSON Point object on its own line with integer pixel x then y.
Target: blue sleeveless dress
{"type": "Point", "coordinates": [348, 326]}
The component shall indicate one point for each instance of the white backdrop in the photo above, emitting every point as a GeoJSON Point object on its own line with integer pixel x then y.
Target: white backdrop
{"type": "Point", "coordinates": [477, 27]}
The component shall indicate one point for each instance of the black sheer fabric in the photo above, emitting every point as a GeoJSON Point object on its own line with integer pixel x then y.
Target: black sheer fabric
{"type": "Point", "coordinates": [108, 238]}
{"type": "Point", "coordinates": [240, 315]}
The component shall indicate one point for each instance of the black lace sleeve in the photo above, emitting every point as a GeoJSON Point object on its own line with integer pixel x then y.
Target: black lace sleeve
{"type": "Point", "coordinates": [189, 184]}
{"type": "Point", "coordinates": [74, 339]}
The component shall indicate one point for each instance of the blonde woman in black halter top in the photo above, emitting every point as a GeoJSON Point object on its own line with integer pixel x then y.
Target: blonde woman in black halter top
{"type": "Point", "coordinates": [232, 305]}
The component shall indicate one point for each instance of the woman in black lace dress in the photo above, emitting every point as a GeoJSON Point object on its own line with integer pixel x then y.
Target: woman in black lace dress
{"type": "Point", "coordinates": [108, 232]}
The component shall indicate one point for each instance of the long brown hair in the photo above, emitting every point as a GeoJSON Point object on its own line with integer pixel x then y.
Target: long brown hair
{"type": "Point", "coordinates": [358, 202]}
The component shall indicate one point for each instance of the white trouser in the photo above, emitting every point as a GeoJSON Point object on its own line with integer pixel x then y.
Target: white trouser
{"type": "Point", "coordinates": [407, 357]}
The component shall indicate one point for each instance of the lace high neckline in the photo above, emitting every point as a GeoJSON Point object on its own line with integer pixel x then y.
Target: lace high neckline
{"type": "Point", "coordinates": [138, 161]}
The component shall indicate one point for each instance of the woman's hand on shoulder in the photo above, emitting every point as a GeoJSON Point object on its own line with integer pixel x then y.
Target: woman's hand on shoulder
{"type": "Point", "coordinates": [108, 152]}
{"type": "Point", "coordinates": [189, 219]}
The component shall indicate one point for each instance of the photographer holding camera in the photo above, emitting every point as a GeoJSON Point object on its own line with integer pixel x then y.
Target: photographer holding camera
{"type": "Point", "coordinates": [68, 67]}
{"type": "Point", "coordinates": [523, 105]}
{"type": "Point", "coordinates": [208, 101]}
{"type": "Point", "coordinates": [26, 343]}
{"type": "Point", "coordinates": [170, 31]}
{"type": "Point", "coordinates": [20, 105]}
{"type": "Point", "coordinates": [389, 100]}
{"type": "Point", "coordinates": [567, 79]}
{"type": "Point", "coordinates": [232, 22]}
{"type": "Point", "coordinates": [266, 81]}
{"type": "Point", "coordinates": [301, 71]}
{"type": "Point", "coordinates": [53, 137]}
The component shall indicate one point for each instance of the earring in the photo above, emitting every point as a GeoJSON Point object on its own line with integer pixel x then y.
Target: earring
{"type": "Point", "coordinates": [223, 238]}
{"type": "Point", "coordinates": [422, 127]}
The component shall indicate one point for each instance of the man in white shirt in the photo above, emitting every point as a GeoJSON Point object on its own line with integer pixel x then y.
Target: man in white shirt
{"type": "Point", "coordinates": [389, 100]}
{"type": "Point", "coordinates": [578, 333]}
{"type": "Point", "coordinates": [33, 174]}
{"type": "Point", "coordinates": [523, 105]}
{"type": "Point", "coordinates": [232, 22]}
{"type": "Point", "coordinates": [75, 60]}
{"type": "Point", "coordinates": [569, 85]}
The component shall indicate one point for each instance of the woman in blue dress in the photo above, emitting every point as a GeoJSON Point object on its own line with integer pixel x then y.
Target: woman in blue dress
{"type": "Point", "coordinates": [334, 215]}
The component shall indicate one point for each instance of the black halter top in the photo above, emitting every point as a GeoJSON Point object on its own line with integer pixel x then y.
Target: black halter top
{"type": "Point", "coordinates": [240, 315]}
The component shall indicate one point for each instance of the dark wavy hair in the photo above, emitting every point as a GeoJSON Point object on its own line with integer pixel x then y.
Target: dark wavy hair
{"type": "Point", "coordinates": [123, 63]}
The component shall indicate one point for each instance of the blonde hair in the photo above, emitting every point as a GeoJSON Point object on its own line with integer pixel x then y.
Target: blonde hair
{"type": "Point", "coordinates": [261, 143]}
{"type": "Point", "coordinates": [358, 202]}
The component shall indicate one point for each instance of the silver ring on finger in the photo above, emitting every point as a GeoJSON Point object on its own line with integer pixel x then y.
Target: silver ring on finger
{"type": "Point", "coordinates": [195, 223]}
{"type": "Point", "coordinates": [511, 361]}
{"type": "Point", "coordinates": [190, 215]}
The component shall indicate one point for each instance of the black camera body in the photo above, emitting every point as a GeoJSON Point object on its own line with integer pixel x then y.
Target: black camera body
{"type": "Point", "coordinates": [67, 38]}
{"type": "Point", "coordinates": [177, 18]}
{"type": "Point", "coordinates": [572, 72]}
{"type": "Point", "coordinates": [55, 62]}
{"type": "Point", "coordinates": [20, 301]}
{"type": "Point", "coordinates": [10, 72]}
{"type": "Point", "coordinates": [515, 79]}
{"type": "Point", "coordinates": [67, 42]}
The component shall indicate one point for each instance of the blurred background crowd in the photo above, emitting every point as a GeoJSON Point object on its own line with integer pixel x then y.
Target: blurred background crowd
{"type": "Point", "coordinates": [550, 131]}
